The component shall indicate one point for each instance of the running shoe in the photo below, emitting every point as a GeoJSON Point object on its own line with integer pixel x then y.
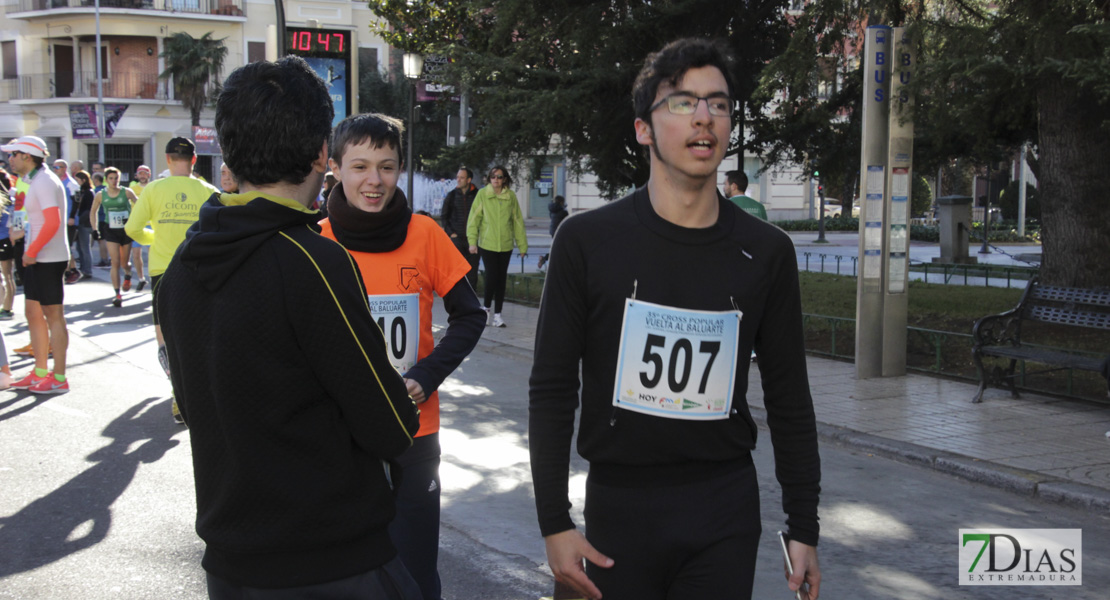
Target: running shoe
{"type": "Point", "coordinates": [104, 263]}
{"type": "Point", "coordinates": [29, 352]}
{"type": "Point", "coordinates": [117, 301]}
{"type": "Point", "coordinates": [49, 385]}
{"type": "Point", "coordinates": [497, 322]}
{"type": "Point", "coordinates": [6, 315]}
{"type": "Point", "coordinates": [177, 418]}
{"type": "Point", "coordinates": [72, 277]}
{"type": "Point", "coordinates": [127, 283]}
{"type": "Point", "coordinates": [142, 284]}
{"type": "Point", "coordinates": [29, 381]}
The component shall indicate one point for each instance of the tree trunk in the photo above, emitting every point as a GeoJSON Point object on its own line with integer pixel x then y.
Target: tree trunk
{"type": "Point", "coordinates": [1074, 187]}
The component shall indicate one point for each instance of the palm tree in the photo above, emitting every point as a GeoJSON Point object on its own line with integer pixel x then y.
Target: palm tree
{"type": "Point", "coordinates": [192, 63]}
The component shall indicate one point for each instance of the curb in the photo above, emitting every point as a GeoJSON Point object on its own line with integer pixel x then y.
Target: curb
{"type": "Point", "coordinates": [505, 350]}
{"type": "Point", "coordinates": [1019, 481]}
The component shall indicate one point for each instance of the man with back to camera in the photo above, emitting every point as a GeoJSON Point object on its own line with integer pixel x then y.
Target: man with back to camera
{"type": "Point", "coordinates": [279, 369]}
{"type": "Point", "coordinates": [659, 298]}
{"type": "Point", "coordinates": [456, 210]}
{"type": "Point", "coordinates": [736, 184]}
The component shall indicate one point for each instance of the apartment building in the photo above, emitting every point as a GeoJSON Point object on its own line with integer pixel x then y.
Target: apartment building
{"type": "Point", "coordinates": [48, 54]}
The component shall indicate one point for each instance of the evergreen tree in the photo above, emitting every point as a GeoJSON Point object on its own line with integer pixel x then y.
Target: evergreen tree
{"type": "Point", "coordinates": [563, 70]}
{"type": "Point", "coordinates": [192, 64]}
{"type": "Point", "coordinates": [991, 76]}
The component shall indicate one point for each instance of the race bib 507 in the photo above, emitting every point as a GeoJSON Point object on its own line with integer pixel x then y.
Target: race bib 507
{"type": "Point", "coordinates": [676, 363]}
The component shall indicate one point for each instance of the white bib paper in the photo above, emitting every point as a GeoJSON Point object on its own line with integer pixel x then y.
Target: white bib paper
{"type": "Point", "coordinates": [677, 363]}
{"type": "Point", "coordinates": [117, 219]}
{"type": "Point", "coordinates": [398, 316]}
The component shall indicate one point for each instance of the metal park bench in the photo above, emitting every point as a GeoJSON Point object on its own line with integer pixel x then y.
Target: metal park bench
{"type": "Point", "coordinates": [1000, 335]}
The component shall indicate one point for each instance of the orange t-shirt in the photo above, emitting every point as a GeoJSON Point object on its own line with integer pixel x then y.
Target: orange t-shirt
{"type": "Point", "coordinates": [401, 284]}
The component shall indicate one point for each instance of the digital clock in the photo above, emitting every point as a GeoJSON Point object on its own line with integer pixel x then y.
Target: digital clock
{"type": "Point", "coordinates": [319, 42]}
{"type": "Point", "coordinates": [328, 52]}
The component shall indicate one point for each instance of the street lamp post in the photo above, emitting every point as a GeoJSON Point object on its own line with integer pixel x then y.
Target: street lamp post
{"type": "Point", "coordinates": [413, 66]}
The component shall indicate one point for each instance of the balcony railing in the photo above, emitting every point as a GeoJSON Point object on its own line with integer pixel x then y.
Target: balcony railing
{"type": "Point", "coordinates": [231, 8]}
{"type": "Point", "coordinates": [127, 85]}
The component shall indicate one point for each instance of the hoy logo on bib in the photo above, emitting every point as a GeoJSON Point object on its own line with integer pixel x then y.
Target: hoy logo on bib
{"type": "Point", "coordinates": [676, 363]}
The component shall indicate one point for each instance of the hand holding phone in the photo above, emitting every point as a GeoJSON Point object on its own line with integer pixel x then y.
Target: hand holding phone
{"type": "Point", "coordinates": [790, 567]}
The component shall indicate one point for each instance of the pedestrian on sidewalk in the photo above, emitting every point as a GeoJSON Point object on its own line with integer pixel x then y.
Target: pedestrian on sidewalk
{"type": "Point", "coordinates": [657, 300]}
{"type": "Point", "coordinates": [280, 372]}
{"type": "Point", "coordinates": [495, 222]}
{"type": "Point", "coordinates": [456, 211]}
{"type": "Point", "coordinates": [406, 260]}
{"type": "Point", "coordinates": [557, 210]}
{"type": "Point", "coordinates": [736, 189]}
{"type": "Point", "coordinates": [45, 259]}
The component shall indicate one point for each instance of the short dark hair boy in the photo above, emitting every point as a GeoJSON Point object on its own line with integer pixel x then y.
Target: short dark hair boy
{"type": "Point", "coordinates": [278, 367]}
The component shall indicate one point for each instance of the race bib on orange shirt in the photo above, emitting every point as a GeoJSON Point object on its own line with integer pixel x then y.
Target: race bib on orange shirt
{"type": "Point", "coordinates": [398, 316]}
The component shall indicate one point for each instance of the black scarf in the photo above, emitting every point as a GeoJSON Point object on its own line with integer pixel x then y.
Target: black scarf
{"type": "Point", "coordinates": [363, 231]}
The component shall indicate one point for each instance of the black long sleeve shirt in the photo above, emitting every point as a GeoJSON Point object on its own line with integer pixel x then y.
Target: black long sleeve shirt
{"type": "Point", "coordinates": [598, 260]}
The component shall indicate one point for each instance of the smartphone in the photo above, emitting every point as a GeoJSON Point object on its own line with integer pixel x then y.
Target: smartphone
{"type": "Point", "coordinates": [790, 567]}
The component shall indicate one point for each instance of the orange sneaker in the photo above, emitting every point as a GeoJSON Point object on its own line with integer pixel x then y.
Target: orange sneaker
{"type": "Point", "coordinates": [29, 352]}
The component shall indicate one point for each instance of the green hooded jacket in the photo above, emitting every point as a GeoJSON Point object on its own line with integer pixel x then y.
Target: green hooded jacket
{"type": "Point", "coordinates": [495, 221]}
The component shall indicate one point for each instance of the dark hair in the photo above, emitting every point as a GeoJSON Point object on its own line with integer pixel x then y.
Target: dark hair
{"type": "Point", "coordinates": [561, 201]}
{"type": "Point", "coordinates": [381, 131]}
{"type": "Point", "coordinates": [469, 173]}
{"type": "Point", "coordinates": [83, 177]}
{"type": "Point", "coordinates": [272, 118]}
{"type": "Point", "coordinates": [100, 175]}
{"type": "Point", "coordinates": [671, 63]}
{"type": "Point", "coordinates": [737, 178]}
{"type": "Point", "coordinates": [504, 182]}
{"type": "Point", "coordinates": [108, 171]}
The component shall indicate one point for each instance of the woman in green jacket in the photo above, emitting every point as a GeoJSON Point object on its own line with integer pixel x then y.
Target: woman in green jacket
{"type": "Point", "coordinates": [495, 222]}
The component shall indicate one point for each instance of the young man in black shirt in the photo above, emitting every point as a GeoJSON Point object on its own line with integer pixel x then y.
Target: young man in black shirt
{"type": "Point", "coordinates": [658, 299]}
{"type": "Point", "coordinates": [278, 367]}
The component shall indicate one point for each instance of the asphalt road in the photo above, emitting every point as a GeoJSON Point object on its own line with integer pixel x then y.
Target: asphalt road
{"type": "Point", "coordinates": [97, 494]}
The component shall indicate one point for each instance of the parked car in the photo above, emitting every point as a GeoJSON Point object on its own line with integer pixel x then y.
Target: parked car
{"type": "Point", "coordinates": [834, 208]}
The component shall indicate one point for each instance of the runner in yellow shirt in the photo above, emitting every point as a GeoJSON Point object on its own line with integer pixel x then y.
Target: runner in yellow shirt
{"type": "Point", "coordinates": [170, 206]}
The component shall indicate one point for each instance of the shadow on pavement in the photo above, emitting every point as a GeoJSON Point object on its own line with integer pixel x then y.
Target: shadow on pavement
{"type": "Point", "coordinates": [78, 514]}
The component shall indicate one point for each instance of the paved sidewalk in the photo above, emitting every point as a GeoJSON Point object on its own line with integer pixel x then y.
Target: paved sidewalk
{"type": "Point", "coordinates": [1054, 449]}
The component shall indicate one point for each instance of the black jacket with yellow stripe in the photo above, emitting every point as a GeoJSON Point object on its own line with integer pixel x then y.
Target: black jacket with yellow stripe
{"type": "Point", "coordinates": [292, 405]}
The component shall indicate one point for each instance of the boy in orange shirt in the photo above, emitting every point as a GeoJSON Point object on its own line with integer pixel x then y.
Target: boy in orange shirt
{"type": "Point", "coordinates": [404, 259]}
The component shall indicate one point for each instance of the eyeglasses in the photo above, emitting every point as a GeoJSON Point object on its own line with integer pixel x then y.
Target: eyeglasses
{"type": "Point", "coordinates": [496, 176]}
{"type": "Point", "coordinates": [685, 103]}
